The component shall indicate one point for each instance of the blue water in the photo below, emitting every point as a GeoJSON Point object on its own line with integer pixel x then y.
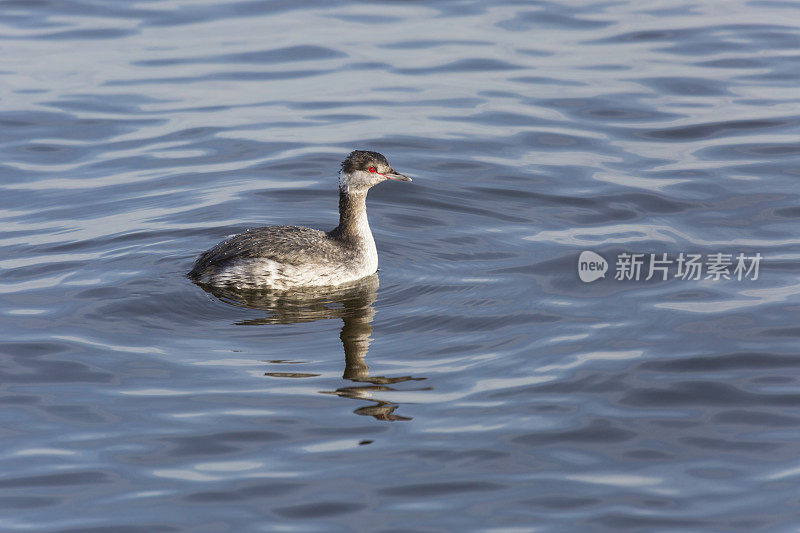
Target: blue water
{"type": "Point", "coordinates": [476, 383]}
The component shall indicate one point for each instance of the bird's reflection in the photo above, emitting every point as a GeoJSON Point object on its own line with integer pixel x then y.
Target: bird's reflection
{"type": "Point", "coordinates": [354, 304]}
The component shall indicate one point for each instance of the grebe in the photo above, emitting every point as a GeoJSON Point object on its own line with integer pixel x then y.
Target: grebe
{"type": "Point", "coordinates": [289, 257]}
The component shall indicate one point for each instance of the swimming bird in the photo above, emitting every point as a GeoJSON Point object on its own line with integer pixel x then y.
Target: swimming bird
{"type": "Point", "coordinates": [291, 257]}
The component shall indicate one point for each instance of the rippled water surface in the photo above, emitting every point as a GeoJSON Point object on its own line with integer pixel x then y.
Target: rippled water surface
{"type": "Point", "coordinates": [475, 383]}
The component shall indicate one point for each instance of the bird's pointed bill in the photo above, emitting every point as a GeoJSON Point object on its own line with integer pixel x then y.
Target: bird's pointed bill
{"type": "Point", "coordinates": [396, 176]}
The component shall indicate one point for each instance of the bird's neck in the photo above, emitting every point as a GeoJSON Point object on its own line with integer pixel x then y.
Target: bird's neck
{"type": "Point", "coordinates": [353, 223]}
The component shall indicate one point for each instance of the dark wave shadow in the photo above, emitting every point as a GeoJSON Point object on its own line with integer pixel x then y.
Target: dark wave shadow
{"type": "Point", "coordinates": [352, 303]}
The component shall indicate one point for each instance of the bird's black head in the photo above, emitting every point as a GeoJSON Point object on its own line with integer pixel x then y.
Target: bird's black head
{"type": "Point", "coordinates": [363, 159]}
{"type": "Point", "coordinates": [362, 169]}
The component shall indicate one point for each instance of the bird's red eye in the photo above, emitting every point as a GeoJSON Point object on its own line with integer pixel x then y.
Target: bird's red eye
{"type": "Point", "coordinates": [372, 169]}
